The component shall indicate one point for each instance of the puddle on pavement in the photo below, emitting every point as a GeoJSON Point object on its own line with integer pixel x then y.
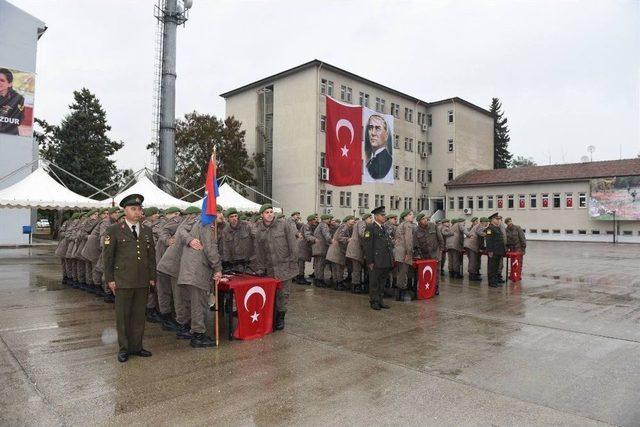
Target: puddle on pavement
{"type": "Point", "coordinates": [47, 284]}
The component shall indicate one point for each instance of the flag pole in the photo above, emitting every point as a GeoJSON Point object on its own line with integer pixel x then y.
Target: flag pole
{"type": "Point", "coordinates": [215, 282]}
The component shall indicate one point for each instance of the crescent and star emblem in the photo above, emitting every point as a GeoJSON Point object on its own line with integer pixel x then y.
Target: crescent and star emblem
{"type": "Point", "coordinates": [255, 290]}
{"type": "Point", "coordinates": [427, 282]}
{"type": "Point", "coordinates": [347, 124]}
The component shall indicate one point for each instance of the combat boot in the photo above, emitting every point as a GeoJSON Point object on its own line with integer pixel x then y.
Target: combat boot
{"type": "Point", "coordinates": [168, 323]}
{"type": "Point", "coordinates": [201, 340]}
{"type": "Point", "coordinates": [153, 316]}
{"type": "Point", "coordinates": [280, 320]}
{"type": "Point", "coordinates": [184, 332]}
{"type": "Point", "coordinates": [340, 286]}
{"type": "Point", "coordinates": [319, 283]}
{"type": "Point", "coordinates": [109, 298]}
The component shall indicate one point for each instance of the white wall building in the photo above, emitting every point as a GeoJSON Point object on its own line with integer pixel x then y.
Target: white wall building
{"type": "Point", "coordinates": [284, 118]}
{"type": "Point", "coordinates": [548, 202]}
{"type": "Point", "coordinates": [18, 46]}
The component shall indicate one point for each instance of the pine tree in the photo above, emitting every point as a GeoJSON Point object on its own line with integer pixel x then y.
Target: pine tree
{"type": "Point", "coordinates": [80, 144]}
{"type": "Point", "coordinates": [501, 155]}
{"type": "Point", "coordinates": [196, 135]}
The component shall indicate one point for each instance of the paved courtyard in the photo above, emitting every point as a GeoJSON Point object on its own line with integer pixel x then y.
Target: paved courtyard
{"type": "Point", "coordinates": [561, 347]}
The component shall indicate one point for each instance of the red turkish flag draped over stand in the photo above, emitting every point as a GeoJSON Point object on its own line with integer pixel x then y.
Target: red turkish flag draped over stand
{"type": "Point", "coordinates": [344, 143]}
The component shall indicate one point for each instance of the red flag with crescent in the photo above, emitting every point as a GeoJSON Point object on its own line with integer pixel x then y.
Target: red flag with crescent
{"type": "Point", "coordinates": [427, 271]}
{"type": "Point", "coordinates": [344, 143]}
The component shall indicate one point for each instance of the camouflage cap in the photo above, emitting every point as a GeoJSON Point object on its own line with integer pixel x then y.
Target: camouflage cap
{"type": "Point", "coordinates": [391, 216]}
{"type": "Point", "coordinates": [114, 209]}
{"type": "Point", "coordinates": [120, 216]}
{"type": "Point", "coordinates": [191, 210]}
{"type": "Point", "coordinates": [312, 217]}
{"type": "Point", "coordinates": [484, 219]}
{"type": "Point", "coordinates": [151, 211]}
{"type": "Point", "coordinates": [280, 216]}
{"type": "Point", "coordinates": [295, 213]}
{"type": "Point", "coordinates": [474, 219]}
{"type": "Point", "coordinates": [507, 219]}
{"type": "Point", "coordinates": [420, 216]}
{"type": "Point", "coordinates": [230, 211]}
{"type": "Point", "coordinates": [404, 213]}
{"type": "Point", "coordinates": [348, 218]}
{"type": "Point", "coordinates": [172, 209]}
{"type": "Point", "coordinates": [367, 215]}
{"type": "Point", "coordinates": [325, 217]}
{"type": "Point", "coordinates": [265, 207]}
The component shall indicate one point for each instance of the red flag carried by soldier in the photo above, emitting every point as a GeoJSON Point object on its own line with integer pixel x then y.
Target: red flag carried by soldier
{"type": "Point", "coordinates": [344, 143]}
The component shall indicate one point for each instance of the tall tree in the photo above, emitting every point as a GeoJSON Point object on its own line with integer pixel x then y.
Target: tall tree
{"type": "Point", "coordinates": [196, 135]}
{"type": "Point", "coordinates": [80, 144]}
{"type": "Point", "coordinates": [519, 161]}
{"type": "Point", "coordinates": [501, 155]}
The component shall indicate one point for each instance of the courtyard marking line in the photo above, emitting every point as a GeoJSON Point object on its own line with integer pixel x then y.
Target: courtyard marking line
{"type": "Point", "coordinates": [36, 328]}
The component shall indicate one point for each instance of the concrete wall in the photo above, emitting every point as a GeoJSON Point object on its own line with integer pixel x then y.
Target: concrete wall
{"type": "Point", "coordinates": [564, 223]}
{"type": "Point", "coordinates": [18, 46]}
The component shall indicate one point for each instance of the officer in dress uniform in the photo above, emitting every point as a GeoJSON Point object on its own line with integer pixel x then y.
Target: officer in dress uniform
{"type": "Point", "coordinates": [494, 242]}
{"type": "Point", "coordinates": [129, 270]}
{"type": "Point", "coordinates": [378, 249]}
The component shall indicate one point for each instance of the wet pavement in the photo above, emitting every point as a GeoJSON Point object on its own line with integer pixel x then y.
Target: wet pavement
{"type": "Point", "coordinates": [561, 347]}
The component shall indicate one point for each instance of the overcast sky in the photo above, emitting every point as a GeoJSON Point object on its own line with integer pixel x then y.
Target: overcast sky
{"type": "Point", "coordinates": [567, 72]}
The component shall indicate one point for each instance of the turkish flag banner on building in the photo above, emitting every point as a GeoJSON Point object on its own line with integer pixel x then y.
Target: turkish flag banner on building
{"type": "Point", "coordinates": [545, 202]}
{"type": "Point", "coordinates": [500, 204]}
{"type": "Point", "coordinates": [427, 272]}
{"type": "Point", "coordinates": [343, 143]}
{"type": "Point", "coordinates": [521, 203]}
{"type": "Point", "coordinates": [255, 301]}
{"type": "Point", "coordinates": [569, 202]}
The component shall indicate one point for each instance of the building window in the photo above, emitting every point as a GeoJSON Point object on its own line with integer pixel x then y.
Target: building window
{"type": "Point", "coordinates": [429, 148]}
{"type": "Point", "coordinates": [449, 174]}
{"type": "Point", "coordinates": [323, 86]}
{"type": "Point", "coordinates": [470, 202]}
{"type": "Point", "coordinates": [545, 231]}
{"type": "Point", "coordinates": [533, 201]}
{"type": "Point", "coordinates": [500, 204]}
{"type": "Point", "coordinates": [363, 200]}
{"type": "Point", "coordinates": [382, 105]}
{"type": "Point", "coordinates": [343, 93]}
{"type": "Point", "coordinates": [329, 198]}
{"type": "Point", "coordinates": [480, 202]}
{"type": "Point", "coordinates": [582, 231]}
{"type": "Point", "coordinates": [545, 200]}
{"type": "Point", "coordinates": [489, 202]}
{"type": "Point", "coordinates": [323, 123]}
{"type": "Point", "coordinates": [323, 160]}
{"type": "Point", "coordinates": [408, 144]}
{"type": "Point", "coordinates": [556, 231]}
{"type": "Point", "coordinates": [556, 200]}
{"type": "Point", "coordinates": [568, 231]}
{"type": "Point", "coordinates": [419, 118]}
{"type": "Point", "coordinates": [450, 116]}
{"type": "Point", "coordinates": [429, 176]}
{"type": "Point", "coordinates": [521, 201]}
{"type": "Point", "coordinates": [595, 231]}
{"type": "Point", "coordinates": [411, 144]}
{"type": "Point", "coordinates": [329, 88]}
{"type": "Point", "coordinates": [533, 230]}
{"type": "Point", "coordinates": [396, 172]}
{"type": "Point", "coordinates": [408, 203]}
{"type": "Point", "coordinates": [345, 199]}
{"type": "Point", "coordinates": [363, 99]}
{"type": "Point", "coordinates": [396, 141]}
{"type": "Point", "coordinates": [450, 145]}
{"type": "Point", "coordinates": [568, 197]}
{"type": "Point", "coordinates": [451, 203]}
{"type": "Point", "coordinates": [408, 114]}
{"type": "Point", "coordinates": [410, 174]}
{"type": "Point", "coordinates": [429, 120]}
{"type": "Point", "coordinates": [394, 201]}
{"type": "Point", "coordinates": [627, 233]}
{"type": "Point", "coordinates": [379, 198]}
{"type": "Point", "coordinates": [322, 197]}
{"type": "Point", "coordinates": [510, 201]}
{"type": "Point", "coordinates": [582, 200]}
{"type": "Point", "coordinates": [460, 203]}
{"type": "Point", "coordinates": [378, 104]}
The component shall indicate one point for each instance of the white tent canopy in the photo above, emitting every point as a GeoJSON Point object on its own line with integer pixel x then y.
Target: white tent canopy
{"type": "Point", "coordinates": [39, 190]}
{"type": "Point", "coordinates": [230, 198]}
{"type": "Point", "coordinates": [153, 196]}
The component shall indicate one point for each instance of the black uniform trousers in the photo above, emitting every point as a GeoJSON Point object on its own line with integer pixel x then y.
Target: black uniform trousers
{"type": "Point", "coordinates": [493, 269]}
{"type": "Point", "coordinates": [377, 279]}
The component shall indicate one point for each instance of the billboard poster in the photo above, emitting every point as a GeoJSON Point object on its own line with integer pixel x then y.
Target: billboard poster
{"type": "Point", "coordinates": [378, 147]}
{"type": "Point", "coordinates": [619, 194]}
{"type": "Point", "coordinates": [16, 102]}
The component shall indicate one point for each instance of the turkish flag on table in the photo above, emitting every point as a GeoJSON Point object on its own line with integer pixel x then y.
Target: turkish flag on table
{"type": "Point", "coordinates": [515, 266]}
{"type": "Point", "coordinates": [255, 301]}
{"type": "Point", "coordinates": [427, 271]}
{"type": "Point", "coordinates": [344, 143]}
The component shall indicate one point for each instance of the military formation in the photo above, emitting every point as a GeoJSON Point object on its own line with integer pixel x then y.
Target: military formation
{"type": "Point", "coordinates": [159, 265]}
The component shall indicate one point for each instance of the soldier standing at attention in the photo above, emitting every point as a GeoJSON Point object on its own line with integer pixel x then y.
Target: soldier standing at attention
{"type": "Point", "coordinates": [378, 250]}
{"type": "Point", "coordinates": [355, 253]}
{"type": "Point", "coordinates": [516, 240]}
{"type": "Point", "coordinates": [305, 241]}
{"type": "Point", "coordinates": [403, 254]}
{"type": "Point", "coordinates": [166, 285]}
{"type": "Point", "coordinates": [428, 241]}
{"type": "Point", "coordinates": [276, 248]}
{"type": "Point", "coordinates": [472, 246]}
{"type": "Point", "coordinates": [338, 250]}
{"type": "Point", "coordinates": [237, 242]}
{"type": "Point", "coordinates": [129, 270]}
{"type": "Point", "coordinates": [322, 235]}
{"type": "Point", "coordinates": [494, 241]}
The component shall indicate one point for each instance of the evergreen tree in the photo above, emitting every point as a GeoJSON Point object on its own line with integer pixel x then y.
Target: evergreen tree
{"type": "Point", "coordinates": [196, 135]}
{"type": "Point", "coordinates": [519, 161]}
{"type": "Point", "coordinates": [501, 155]}
{"type": "Point", "coordinates": [80, 144]}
